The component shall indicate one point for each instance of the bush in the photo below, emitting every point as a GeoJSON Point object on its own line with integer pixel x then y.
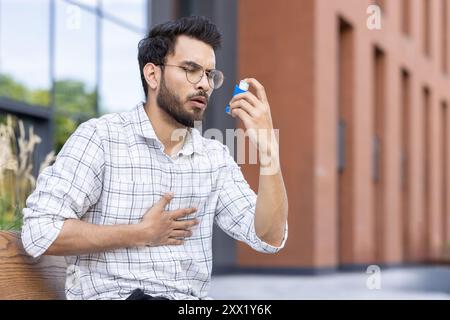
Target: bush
{"type": "Point", "coordinates": [16, 180]}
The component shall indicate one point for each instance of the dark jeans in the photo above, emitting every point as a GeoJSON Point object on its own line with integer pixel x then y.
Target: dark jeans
{"type": "Point", "coordinates": [138, 294]}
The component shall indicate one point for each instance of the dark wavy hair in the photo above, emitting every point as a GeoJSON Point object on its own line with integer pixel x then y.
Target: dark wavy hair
{"type": "Point", "coordinates": [160, 41]}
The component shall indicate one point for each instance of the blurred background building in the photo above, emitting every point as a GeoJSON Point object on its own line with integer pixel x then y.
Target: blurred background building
{"type": "Point", "coordinates": [362, 113]}
{"type": "Point", "coordinates": [63, 62]}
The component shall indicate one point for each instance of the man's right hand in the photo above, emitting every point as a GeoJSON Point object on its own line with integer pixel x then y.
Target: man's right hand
{"type": "Point", "coordinates": [159, 227]}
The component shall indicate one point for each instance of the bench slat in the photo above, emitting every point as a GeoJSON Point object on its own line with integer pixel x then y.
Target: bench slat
{"type": "Point", "coordinates": [27, 278]}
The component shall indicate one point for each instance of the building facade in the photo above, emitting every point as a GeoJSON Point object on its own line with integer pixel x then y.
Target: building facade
{"type": "Point", "coordinates": [363, 119]}
{"type": "Point", "coordinates": [361, 105]}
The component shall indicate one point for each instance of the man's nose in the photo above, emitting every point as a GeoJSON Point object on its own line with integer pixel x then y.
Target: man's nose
{"type": "Point", "coordinates": [203, 84]}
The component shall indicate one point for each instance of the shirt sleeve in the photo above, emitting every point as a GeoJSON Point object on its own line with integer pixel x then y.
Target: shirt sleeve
{"type": "Point", "coordinates": [235, 211]}
{"type": "Point", "coordinates": [64, 190]}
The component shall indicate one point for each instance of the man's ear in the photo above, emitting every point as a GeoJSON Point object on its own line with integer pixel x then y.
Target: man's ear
{"type": "Point", "coordinates": [151, 74]}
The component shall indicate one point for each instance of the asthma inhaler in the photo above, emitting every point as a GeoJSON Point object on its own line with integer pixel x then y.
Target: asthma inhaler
{"type": "Point", "coordinates": [243, 87]}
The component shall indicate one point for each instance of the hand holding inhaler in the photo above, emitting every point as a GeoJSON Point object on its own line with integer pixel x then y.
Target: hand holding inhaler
{"type": "Point", "coordinates": [253, 110]}
{"type": "Point", "coordinates": [243, 87]}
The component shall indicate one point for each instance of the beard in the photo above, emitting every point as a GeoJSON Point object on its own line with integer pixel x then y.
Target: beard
{"type": "Point", "coordinates": [171, 103]}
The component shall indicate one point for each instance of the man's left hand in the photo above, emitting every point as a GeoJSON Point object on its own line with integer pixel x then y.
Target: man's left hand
{"type": "Point", "coordinates": [254, 111]}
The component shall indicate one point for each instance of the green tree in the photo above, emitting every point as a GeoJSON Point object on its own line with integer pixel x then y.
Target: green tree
{"type": "Point", "coordinates": [74, 104]}
{"type": "Point", "coordinates": [40, 97]}
{"type": "Point", "coordinates": [12, 89]}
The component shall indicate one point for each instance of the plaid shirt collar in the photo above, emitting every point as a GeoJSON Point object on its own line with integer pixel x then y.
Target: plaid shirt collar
{"type": "Point", "coordinates": [144, 128]}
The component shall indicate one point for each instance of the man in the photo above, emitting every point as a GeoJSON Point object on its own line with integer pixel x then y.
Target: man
{"type": "Point", "coordinates": [132, 197]}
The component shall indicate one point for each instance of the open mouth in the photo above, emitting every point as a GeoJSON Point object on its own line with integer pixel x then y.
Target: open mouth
{"type": "Point", "coordinates": [199, 102]}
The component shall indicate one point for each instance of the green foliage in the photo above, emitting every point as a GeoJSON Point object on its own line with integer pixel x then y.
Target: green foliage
{"type": "Point", "coordinates": [74, 104]}
{"type": "Point", "coordinates": [40, 97]}
{"type": "Point", "coordinates": [12, 89]}
{"type": "Point", "coordinates": [64, 127]}
{"type": "Point", "coordinates": [10, 220]}
{"type": "Point", "coordinates": [72, 97]}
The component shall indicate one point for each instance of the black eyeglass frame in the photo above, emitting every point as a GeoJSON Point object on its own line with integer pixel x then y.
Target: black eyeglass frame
{"type": "Point", "coordinates": [209, 73]}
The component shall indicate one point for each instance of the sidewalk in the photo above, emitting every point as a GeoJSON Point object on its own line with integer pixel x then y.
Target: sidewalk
{"type": "Point", "coordinates": [402, 283]}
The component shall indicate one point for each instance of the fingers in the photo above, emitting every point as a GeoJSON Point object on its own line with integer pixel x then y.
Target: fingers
{"type": "Point", "coordinates": [244, 105]}
{"type": "Point", "coordinates": [180, 213]}
{"type": "Point", "coordinates": [174, 242]}
{"type": "Point", "coordinates": [165, 199]}
{"type": "Point", "coordinates": [260, 91]}
{"type": "Point", "coordinates": [247, 96]}
{"type": "Point", "coordinates": [185, 224]}
{"type": "Point", "coordinates": [180, 233]}
{"type": "Point", "coordinates": [243, 115]}
{"type": "Point", "coordinates": [175, 235]}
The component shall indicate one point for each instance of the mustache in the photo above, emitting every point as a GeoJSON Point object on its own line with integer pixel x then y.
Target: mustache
{"type": "Point", "coordinates": [199, 94]}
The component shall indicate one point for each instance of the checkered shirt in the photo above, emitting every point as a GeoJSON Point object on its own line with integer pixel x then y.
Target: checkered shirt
{"type": "Point", "coordinates": [111, 171]}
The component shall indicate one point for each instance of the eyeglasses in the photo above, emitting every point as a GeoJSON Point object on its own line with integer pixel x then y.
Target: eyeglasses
{"type": "Point", "coordinates": [195, 72]}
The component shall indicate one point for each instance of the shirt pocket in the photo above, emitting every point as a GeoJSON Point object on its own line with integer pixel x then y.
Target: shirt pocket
{"type": "Point", "coordinates": [193, 190]}
{"type": "Point", "coordinates": [127, 201]}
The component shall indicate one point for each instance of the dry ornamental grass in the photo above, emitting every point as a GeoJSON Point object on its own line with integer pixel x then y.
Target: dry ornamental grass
{"type": "Point", "coordinates": [16, 165]}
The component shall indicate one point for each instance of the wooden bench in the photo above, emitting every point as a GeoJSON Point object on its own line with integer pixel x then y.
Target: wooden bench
{"type": "Point", "coordinates": [26, 278]}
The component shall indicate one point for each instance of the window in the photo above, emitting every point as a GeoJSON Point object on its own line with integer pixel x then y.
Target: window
{"type": "Point", "coordinates": [379, 105]}
{"type": "Point", "coordinates": [379, 150]}
{"type": "Point", "coordinates": [75, 60]}
{"type": "Point", "coordinates": [405, 161]}
{"type": "Point", "coordinates": [444, 176]}
{"type": "Point", "coordinates": [405, 127]}
{"type": "Point", "coordinates": [445, 35]}
{"type": "Point", "coordinates": [341, 145]}
{"type": "Point", "coordinates": [74, 49]}
{"type": "Point", "coordinates": [406, 16]}
{"type": "Point", "coordinates": [130, 12]}
{"type": "Point", "coordinates": [426, 101]}
{"type": "Point", "coordinates": [85, 3]}
{"type": "Point", "coordinates": [345, 125]}
{"type": "Point", "coordinates": [427, 28]}
{"type": "Point", "coordinates": [25, 51]}
{"type": "Point", "coordinates": [120, 86]}
{"type": "Point", "coordinates": [75, 69]}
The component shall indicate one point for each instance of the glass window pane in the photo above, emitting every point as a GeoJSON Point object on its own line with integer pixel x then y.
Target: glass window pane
{"type": "Point", "coordinates": [75, 59]}
{"type": "Point", "coordinates": [132, 12]}
{"type": "Point", "coordinates": [75, 69]}
{"type": "Point", "coordinates": [120, 88]}
{"type": "Point", "coordinates": [90, 3]}
{"type": "Point", "coordinates": [25, 51]}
